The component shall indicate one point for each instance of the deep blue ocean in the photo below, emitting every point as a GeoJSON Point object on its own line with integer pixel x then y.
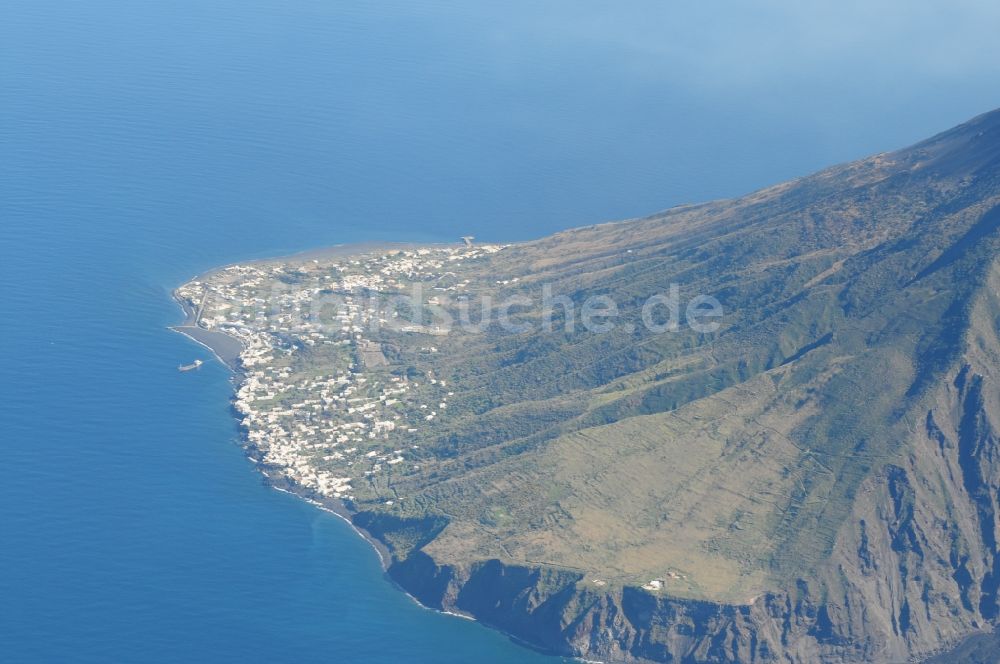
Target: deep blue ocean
{"type": "Point", "coordinates": [144, 142]}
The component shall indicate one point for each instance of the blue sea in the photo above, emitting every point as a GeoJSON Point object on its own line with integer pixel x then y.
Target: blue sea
{"type": "Point", "coordinates": [143, 142]}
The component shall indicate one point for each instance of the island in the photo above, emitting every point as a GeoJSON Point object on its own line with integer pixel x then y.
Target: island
{"type": "Point", "coordinates": [752, 430]}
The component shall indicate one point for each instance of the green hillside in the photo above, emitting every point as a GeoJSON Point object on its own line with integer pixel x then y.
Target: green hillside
{"type": "Point", "coordinates": [728, 459]}
{"type": "Point", "coordinates": [811, 474]}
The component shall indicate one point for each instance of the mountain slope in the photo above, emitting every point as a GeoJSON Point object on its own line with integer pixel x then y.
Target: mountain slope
{"type": "Point", "coordinates": [563, 443]}
{"type": "Point", "coordinates": [817, 479]}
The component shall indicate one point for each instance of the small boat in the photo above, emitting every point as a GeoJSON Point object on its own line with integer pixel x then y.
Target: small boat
{"type": "Point", "coordinates": [190, 367]}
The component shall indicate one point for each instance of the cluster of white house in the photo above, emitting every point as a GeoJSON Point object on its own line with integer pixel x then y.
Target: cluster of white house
{"type": "Point", "coordinates": [329, 422]}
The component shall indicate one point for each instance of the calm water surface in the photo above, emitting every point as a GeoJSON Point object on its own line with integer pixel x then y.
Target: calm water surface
{"type": "Point", "coordinates": [143, 142]}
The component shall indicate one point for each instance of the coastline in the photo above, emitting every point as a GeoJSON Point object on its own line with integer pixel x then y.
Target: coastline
{"type": "Point", "coordinates": [332, 251]}
{"type": "Point", "coordinates": [222, 347]}
{"type": "Point", "coordinates": [275, 480]}
{"type": "Point", "coordinates": [272, 477]}
{"type": "Point", "coordinates": [225, 348]}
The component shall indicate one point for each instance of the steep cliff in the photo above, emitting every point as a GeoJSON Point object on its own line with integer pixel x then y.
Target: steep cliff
{"type": "Point", "coordinates": [913, 571]}
{"type": "Point", "coordinates": [815, 481]}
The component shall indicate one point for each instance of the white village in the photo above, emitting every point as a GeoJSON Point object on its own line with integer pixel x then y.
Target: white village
{"type": "Point", "coordinates": [319, 401]}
